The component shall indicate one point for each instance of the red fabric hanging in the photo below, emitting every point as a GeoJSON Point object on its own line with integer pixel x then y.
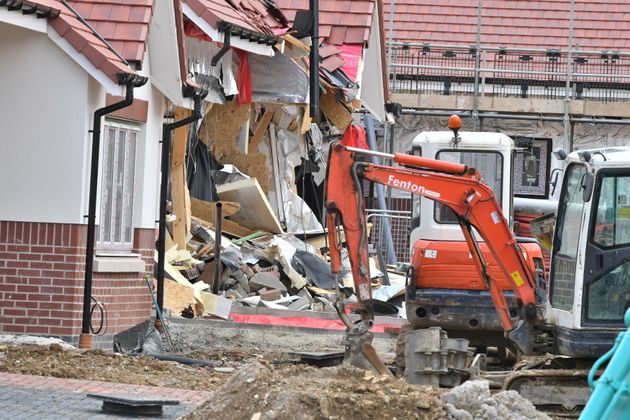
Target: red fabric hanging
{"type": "Point", "coordinates": [354, 137]}
{"type": "Point", "coordinates": [244, 79]}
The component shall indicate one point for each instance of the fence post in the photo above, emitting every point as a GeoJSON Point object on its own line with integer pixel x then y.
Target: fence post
{"type": "Point", "coordinates": [567, 93]}
{"type": "Point", "coordinates": [380, 194]}
{"type": "Point", "coordinates": [475, 113]}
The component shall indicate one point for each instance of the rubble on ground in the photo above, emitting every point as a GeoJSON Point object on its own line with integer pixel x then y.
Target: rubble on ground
{"type": "Point", "coordinates": [97, 365]}
{"type": "Point", "coordinates": [16, 340]}
{"type": "Point", "coordinates": [259, 268]}
{"type": "Point", "coordinates": [299, 392]}
{"type": "Point", "coordinates": [344, 392]}
{"type": "Point", "coordinates": [473, 401]}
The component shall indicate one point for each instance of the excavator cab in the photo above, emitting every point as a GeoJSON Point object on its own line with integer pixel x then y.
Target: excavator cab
{"type": "Point", "coordinates": [590, 262]}
{"type": "Point", "coordinates": [446, 290]}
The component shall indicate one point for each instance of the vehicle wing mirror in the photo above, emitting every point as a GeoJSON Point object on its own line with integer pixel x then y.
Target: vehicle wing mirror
{"type": "Point", "coordinates": [555, 178]}
{"type": "Point", "coordinates": [588, 180]}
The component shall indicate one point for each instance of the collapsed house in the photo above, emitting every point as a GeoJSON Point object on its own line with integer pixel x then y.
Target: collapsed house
{"type": "Point", "coordinates": [226, 86]}
{"type": "Point", "coordinates": [260, 156]}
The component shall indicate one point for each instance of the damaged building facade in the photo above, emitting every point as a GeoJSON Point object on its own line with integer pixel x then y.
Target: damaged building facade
{"type": "Point", "coordinates": [254, 147]}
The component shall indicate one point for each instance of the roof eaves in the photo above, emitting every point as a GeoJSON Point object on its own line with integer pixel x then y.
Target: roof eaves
{"type": "Point", "coordinates": [217, 34]}
{"type": "Point", "coordinates": [29, 8]}
{"type": "Point", "coordinates": [248, 34]}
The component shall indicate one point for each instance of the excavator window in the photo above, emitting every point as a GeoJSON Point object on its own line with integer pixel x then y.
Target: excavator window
{"type": "Point", "coordinates": [612, 222]}
{"type": "Point", "coordinates": [489, 164]}
{"type": "Point", "coordinates": [608, 296]}
{"type": "Point", "coordinates": [566, 238]}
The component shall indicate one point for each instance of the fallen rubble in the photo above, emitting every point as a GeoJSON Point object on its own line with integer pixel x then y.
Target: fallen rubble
{"type": "Point", "coordinates": [473, 400]}
{"type": "Point", "coordinates": [301, 393]}
{"type": "Point", "coordinates": [262, 391]}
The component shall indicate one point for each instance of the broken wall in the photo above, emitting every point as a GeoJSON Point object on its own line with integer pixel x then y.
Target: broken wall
{"type": "Point", "coordinates": [220, 130]}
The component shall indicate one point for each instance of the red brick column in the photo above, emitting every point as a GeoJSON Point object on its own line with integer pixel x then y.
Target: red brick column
{"type": "Point", "coordinates": [41, 281]}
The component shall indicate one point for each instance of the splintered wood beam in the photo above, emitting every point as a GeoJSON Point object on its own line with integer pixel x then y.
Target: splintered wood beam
{"type": "Point", "coordinates": [179, 188]}
{"type": "Point", "coordinates": [306, 120]}
{"type": "Point", "coordinates": [261, 128]}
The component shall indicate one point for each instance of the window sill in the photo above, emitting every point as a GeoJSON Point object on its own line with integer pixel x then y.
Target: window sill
{"type": "Point", "coordinates": [119, 264]}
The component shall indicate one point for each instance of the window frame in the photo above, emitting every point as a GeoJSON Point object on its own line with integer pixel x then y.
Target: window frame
{"type": "Point", "coordinates": [104, 246]}
{"type": "Point", "coordinates": [557, 238]}
{"type": "Point", "coordinates": [603, 173]}
{"type": "Point", "coordinates": [499, 196]}
{"type": "Point", "coordinates": [594, 246]}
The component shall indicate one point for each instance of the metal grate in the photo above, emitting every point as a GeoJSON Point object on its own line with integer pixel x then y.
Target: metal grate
{"type": "Point", "coordinates": [399, 216]}
{"type": "Point", "coordinates": [432, 70]}
{"type": "Point", "coordinates": [513, 72]}
{"type": "Point", "coordinates": [524, 75]}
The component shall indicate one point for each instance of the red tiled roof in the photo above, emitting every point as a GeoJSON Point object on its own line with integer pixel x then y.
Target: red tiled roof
{"type": "Point", "coordinates": [123, 23]}
{"type": "Point", "coordinates": [598, 24]}
{"type": "Point", "coordinates": [340, 21]}
{"type": "Point", "coordinates": [254, 15]}
{"type": "Point", "coordinates": [68, 26]}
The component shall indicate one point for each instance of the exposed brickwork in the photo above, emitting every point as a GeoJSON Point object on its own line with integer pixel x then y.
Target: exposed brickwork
{"type": "Point", "coordinates": [42, 276]}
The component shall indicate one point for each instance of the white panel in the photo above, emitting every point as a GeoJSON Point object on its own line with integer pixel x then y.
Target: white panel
{"type": "Point", "coordinates": [373, 91]}
{"type": "Point", "coordinates": [43, 115]}
{"type": "Point", "coordinates": [164, 55]}
{"type": "Point", "coordinates": [147, 185]}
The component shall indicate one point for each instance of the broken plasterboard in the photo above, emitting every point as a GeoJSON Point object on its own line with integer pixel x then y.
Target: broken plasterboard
{"type": "Point", "coordinates": [255, 212]}
{"type": "Point", "coordinates": [215, 305]}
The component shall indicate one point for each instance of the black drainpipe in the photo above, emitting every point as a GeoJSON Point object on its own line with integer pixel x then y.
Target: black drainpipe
{"type": "Point", "coordinates": [131, 82]}
{"type": "Point", "coordinates": [314, 61]}
{"type": "Point", "coordinates": [167, 132]}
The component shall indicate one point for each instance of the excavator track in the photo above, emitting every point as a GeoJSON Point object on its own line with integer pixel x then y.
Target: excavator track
{"type": "Point", "coordinates": [557, 392]}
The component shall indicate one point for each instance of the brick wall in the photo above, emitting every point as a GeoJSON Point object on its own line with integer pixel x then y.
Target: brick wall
{"type": "Point", "coordinates": [42, 276]}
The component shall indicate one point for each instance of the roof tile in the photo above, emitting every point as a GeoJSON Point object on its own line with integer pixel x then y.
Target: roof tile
{"type": "Point", "coordinates": [337, 35]}
{"type": "Point", "coordinates": [130, 17]}
{"type": "Point", "coordinates": [249, 14]}
{"type": "Point", "coordinates": [332, 63]}
{"type": "Point", "coordinates": [348, 13]}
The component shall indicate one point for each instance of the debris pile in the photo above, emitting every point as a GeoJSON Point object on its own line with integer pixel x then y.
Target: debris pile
{"type": "Point", "coordinates": [298, 392]}
{"type": "Point", "coordinates": [472, 400]}
{"type": "Point", "coordinates": [265, 163]}
{"type": "Point", "coordinates": [258, 267]}
{"type": "Point", "coordinates": [345, 392]}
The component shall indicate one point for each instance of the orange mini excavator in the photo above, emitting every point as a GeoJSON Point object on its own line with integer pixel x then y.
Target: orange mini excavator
{"type": "Point", "coordinates": [461, 189]}
{"type": "Point", "coordinates": [576, 314]}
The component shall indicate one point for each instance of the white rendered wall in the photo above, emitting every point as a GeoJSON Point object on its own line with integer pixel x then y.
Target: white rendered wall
{"type": "Point", "coordinates": [44, 114]}
{"type": "Point", "coordinates": [148, 163]}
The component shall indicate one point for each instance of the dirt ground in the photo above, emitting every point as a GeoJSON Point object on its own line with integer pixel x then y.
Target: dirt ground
{"type": "Point", "coordinates": [262, 391]}
{"type": "Point", "coordinates": [97, 365]}
{"type": "Point", "coordinates": [269, 385]}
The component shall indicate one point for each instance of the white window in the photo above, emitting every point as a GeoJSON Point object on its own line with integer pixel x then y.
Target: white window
{"type": "Point", "coordinates": [117, 187]}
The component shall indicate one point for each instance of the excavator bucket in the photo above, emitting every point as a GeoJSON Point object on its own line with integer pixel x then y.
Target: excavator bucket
{"type": "Point", "coordinates": [361, 353]}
